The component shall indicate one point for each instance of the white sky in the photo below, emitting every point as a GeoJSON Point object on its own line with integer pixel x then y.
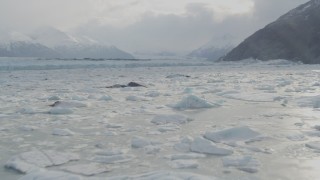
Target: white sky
{"type": "Point", "coordinates": [135, 24]}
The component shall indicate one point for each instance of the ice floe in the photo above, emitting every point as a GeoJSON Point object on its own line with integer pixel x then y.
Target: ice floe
{"type": "Point", "coordinates": [186, 156]}
{"type": "Point", "coordinates": [243, 163]}
{"type": "Point", "coordinates": [244, 134]}
{"type": "Point", "coordinates": [174, 118]}
{"type": "Point", "coordinates": [314, 145]}
{"type": "Point", "coordinates": [36, 159]}
{"type": "Point", "coordinates": [87, 169]}
{"type": "Point", "coordinates": [201, 145]}
{"type": "Point", "coordinates": [184, 144]}
{"type": "Point", "coordinates": [140, 142]}
{"type": "Point", "coordinates": [168, 127]}
{"type": "Point", "coordinates": [312, 102]}
{"type": "Point", "coordinates": [62, 132]}
{"type": "Point", "coordinates": [121, 158]}
{"type": "Point", "coordinates": [105, 98]}
{"type": "Point", "coordinates": [157, 175]}
{"type": "Point", "coordinates": [184, 164]}
{"type": "Point", "coordinates": [60, 111]}
{"type": "Point", "coordinates": [48, 175]}
{"type": "Point", "coordinates": [193, 102]}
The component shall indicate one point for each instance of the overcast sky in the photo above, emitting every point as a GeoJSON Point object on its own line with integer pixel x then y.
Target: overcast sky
{"type": "Point", "coordinates": [145, 25]}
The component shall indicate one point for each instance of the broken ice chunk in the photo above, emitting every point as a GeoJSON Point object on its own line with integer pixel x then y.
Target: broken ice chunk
{"type": "Point", "coordinates": [201, 145]}
{"type": "Point", "coordinates": [174, 119]}
{"type": "Point", "coordinates": [244, 134]}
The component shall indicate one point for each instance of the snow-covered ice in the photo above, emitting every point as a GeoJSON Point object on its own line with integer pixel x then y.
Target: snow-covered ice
{"type": "Point", "coordinates": [194, 119]}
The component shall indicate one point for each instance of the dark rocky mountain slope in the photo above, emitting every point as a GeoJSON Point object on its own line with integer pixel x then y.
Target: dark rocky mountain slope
{"type": "Point", "coordinates": [294, 36]}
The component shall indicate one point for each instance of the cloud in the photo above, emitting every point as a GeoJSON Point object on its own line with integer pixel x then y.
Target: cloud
{"type": "Point", "coordinates": [145, 25]}
{"type": "Point", "coordinates": [189, 28]}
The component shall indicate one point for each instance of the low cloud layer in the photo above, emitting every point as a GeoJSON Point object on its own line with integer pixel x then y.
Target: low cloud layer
{"type": "Point", "coordinates": [145, 25]}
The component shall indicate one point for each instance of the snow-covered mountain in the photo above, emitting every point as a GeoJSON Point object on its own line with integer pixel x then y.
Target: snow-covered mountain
{"type": "Point", "coordinates": [16, 44]}
{"type": "Point", "coordinates": [215, 48]}
{"type": "Point", "coordinates": [51, 42]}
{"type": "Point", "coordinates": [294, 36]}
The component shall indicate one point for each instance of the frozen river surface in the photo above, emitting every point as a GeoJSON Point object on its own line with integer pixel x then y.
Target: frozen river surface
{"type": "Point", "coordinates": [192, 120]}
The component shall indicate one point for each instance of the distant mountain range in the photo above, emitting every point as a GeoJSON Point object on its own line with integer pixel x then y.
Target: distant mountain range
{"type": "Point", "coordinates": [215, 48]}
{"type": "Point", "coordinates": [294, 36]}
{"type": "Point", "coordinates": [48, 42]}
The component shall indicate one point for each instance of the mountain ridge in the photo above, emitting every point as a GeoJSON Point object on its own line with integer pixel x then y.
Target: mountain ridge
{"type": "Point", "coordinates": [49, 42]}
{"type": "Point", "coordinates": [293, 36]}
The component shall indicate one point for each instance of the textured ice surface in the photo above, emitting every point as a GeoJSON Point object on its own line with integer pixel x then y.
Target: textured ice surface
{"type": "Point", "coordinates": [28, 161]}
{"type": "Point", "coordinates": [193, 102]}
{"type": "Point", "coordinates": [62, 132]}
{"type": "Point", "coordinates": [201, 145]}
{"type": "Point", "coordinates": [175, 119]}
{"type": "Point", "coordinates": [245, 163]}
{"type": "Point", "coordinates": [87, 169]}
{"type": "Point", "coordinates": [253, 98]}
{"type": "Point", "coordinates": [314, 145]}
{"type": "Point", "coordinates": [233, 135]}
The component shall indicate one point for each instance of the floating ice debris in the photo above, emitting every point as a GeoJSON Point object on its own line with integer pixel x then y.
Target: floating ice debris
{"type": "Point", "coordinates": [114, 126]}
{"type": "Point", "coordinates": [105, 98]}
{"type": "Point", "coordinates": [174, 119]}
{"type": "Point", "coordinates": [186, 156]}
{"type": "Point", "coordinates": [243, 163]}
{"type": "Point", "coordinates": [136, 98]}
{"type": "Point", "coordinates": [110, 133]}
{"type": "Point", "coordinates": [36, 159]}
{"type": "Point", "coordinates": [87, 169]}
{"type": "Point", "coordinates": [248, 96]}
{"type": "Point", "coordinates": [151, 149]}
{"type": "Point", "coordinates": [60, 111]}
{"type": "Point", "coordinates": [140, 142]}
{"type": "Point", "coordinates": [201, 145]}
{"type": "Point", "coordinates": [297, 137]}
{"type": "Point", "coordinates": [184, 144]}
{"type": "Point", "coordinates": [312, 101]}
{"type": "Point", "coordinates": [168, 127]}
{"type": "Point", "coordinates": [168, 175]}
{"type": "Point", "coordinates": [62, 132]}
{"type": "Point", "coordinates": [28, 128]}
{"type": "Point", "coordinates": [112, 152]}
{"type": "Point", "coordinates": [177, 76]}
{"type": "Point", "coordinates": [193, 102]}
{"type": "Point", "coordinates": [152, 94]}
{"type": "Point", "coordinates": [50, 175]}
{"type": "Point", "coordinates": [121, 158]}
{"type": "Point", "coordinates": [54, 98]}
{"type": "Point", "coordinates": [314, 145]}
{"type": "Point", "coordinates": [235, 134]}
{"type": "Point", "coordinates": [184, 164]}
{"type": "Point", "coordinates": [188, 90]}
{"type": "Point", "coordinates": [79, 98]}
{"type": "Point", "coordinates": [147, 176]}
{"type": "Point", "coordinates": [27, 110]}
